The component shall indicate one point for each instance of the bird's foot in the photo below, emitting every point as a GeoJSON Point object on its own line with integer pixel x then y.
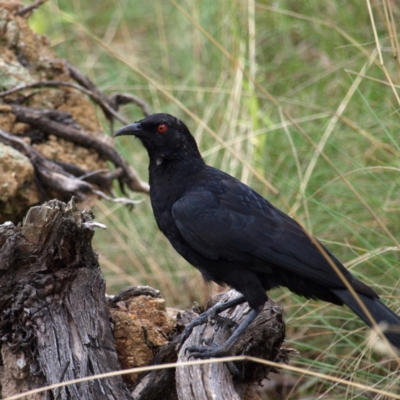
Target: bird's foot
{"type": "Point", "coordinates": [200, 320]}
{"type": "Point", "coordinates": [209, 351]}
{"type": "Point", "coordinates": [213, 351]}
{"type": "Point", "coordinates": [203, 318]}
{"type": "Point", "coordinates": [213, 313]}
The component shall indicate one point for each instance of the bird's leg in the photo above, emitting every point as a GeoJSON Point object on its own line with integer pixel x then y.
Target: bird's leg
{"type": "Point", "coordinates": [224, 350]}
{"type": "Point", "coordinates": [210, 313]}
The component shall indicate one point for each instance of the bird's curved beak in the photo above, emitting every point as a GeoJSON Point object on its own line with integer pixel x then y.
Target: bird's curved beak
{"type": "Point", "coordinates": [132, 129]}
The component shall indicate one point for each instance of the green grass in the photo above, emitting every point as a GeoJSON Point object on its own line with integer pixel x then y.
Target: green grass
{"type": "Point", "coordinates": [267, 97]}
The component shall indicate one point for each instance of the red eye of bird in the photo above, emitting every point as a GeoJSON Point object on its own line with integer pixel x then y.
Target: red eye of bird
{"type": "Point", "coordinates": [161, 128]}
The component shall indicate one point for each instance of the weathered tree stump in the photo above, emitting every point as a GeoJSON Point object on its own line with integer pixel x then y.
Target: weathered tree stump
{"type": "Point", "coordinates": [56, 323]}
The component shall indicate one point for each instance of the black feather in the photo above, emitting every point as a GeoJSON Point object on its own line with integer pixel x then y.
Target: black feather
{"type": "Point", "coordinates": [236, 237]}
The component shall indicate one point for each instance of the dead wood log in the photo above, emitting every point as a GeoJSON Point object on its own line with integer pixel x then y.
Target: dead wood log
{"type": "Point", "coordinates": [54, 322]}
{"type": "Point", "coordinates": [262, 339]}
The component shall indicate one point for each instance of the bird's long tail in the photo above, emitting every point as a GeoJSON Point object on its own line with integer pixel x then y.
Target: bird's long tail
{"type": "Point", "coordinates": [378, 311]}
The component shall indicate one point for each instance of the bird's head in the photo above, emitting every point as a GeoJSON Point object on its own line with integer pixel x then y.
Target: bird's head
{"type": "Point", "coordinates": [164, 136]}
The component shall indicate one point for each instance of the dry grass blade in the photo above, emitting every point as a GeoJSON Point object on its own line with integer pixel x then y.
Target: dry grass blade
{"type": "Point", "coordinates": [325, 137]}
{"type": "Point", "coordinates": [378, 47]}
{"type": "Point", "coordinates": [286, 367]}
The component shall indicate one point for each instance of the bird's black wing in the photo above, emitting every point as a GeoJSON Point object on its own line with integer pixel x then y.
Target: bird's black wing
{"type": "Point", "coordinates": [224, 218]}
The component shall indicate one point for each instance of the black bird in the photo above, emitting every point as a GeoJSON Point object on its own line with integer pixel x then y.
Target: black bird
{"type": "Point", "coordinates": [234, 236]}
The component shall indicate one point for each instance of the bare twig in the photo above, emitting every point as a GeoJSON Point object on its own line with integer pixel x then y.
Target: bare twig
{"type": "Point", "coordinates": [114, 100]}
{"type": "Point", "coordinates": [101, 177]}
{"type": "Point", "coordinates": [119, 99]}
{"type": "Point", "coordinates": [109, 105]}
{"type": "Point", "coordinates": [40, 120]}
{"type": "Point", "coordinates": [123, 200]}
{"type": "Point", "coordinates": [83, 80]}
{"type": "Point", "coordinates": [54, 177]}
{"type": "Point", "coordinates": [50, 175]}
{"type": "Point", "coordinates": [93, 95]}
{"type": "Point", "coordinates": [28, 9]}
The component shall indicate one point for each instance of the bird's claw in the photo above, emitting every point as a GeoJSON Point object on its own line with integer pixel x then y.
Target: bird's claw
{"type": "Point", "coordinates": [197, 349]}
{"type": "Point", "coordinates": [203, 352]}
{"type": "Point", "coordinates": [213, 351]}
{"type": "Point", "coordinates": [202, 319]}
{"type": "Point", "coordinates": [234, 370]}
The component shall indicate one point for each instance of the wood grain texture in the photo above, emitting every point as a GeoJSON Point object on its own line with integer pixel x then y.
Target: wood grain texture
{"type": "Point", "coordinates": [262, 339]}
{"type": "Point", "coordinates": [53, 312]}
